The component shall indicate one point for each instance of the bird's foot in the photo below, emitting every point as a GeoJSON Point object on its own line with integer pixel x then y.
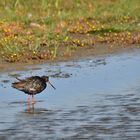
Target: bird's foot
{"type": "Point", "coordinates": [33, 100]}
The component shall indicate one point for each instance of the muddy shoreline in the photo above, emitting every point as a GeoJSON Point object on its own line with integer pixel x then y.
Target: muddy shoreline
{"type": "Point", "coordinates": [80, 53]}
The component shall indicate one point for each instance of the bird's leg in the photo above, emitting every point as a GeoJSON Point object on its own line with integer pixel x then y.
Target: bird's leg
{"type": "Point", "coordinates": [33, 100]}
{"type": "Point", "coordinates": [33, 108]}
{"type": "Point", "coordinates": [28, 103]}
{"type": "Point", "coordinates": [28, 99]}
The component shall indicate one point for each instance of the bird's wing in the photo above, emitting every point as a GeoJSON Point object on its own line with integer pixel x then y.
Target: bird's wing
{"type": "Point", "coordinates": [23, 85]}
{"type": "Point", "coordinates": [31, 79]}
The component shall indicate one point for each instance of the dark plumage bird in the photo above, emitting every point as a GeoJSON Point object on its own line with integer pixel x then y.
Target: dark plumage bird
{"type": "Point", "coordinates": [32, 85]}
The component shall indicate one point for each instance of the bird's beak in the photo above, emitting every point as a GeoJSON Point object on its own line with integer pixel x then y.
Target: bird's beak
{"type": "Point", "coordinates": [51, 84]}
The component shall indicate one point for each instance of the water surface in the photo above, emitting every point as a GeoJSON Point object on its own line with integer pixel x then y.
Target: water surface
{"type": "Point", "coordinates": [95, 98]}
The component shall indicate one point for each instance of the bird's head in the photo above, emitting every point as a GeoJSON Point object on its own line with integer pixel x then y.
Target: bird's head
{"type": "Point", "coordinates": [46, 78]}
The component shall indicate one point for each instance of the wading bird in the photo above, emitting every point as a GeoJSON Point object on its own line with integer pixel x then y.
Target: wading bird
{"type": "Point", "coordinates": [32, 85]}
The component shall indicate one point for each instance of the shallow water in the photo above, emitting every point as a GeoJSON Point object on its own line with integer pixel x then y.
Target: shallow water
{"type": "Point", "coordinates": [95, 98]}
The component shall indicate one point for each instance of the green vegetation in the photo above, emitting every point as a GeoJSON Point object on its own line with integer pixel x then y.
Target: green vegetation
{"type": "Point", "coordinates": [47, 29]}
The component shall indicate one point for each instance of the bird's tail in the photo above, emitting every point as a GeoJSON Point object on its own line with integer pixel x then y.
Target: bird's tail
{"type": "Point", "coordinates": [17, 85]}
{"type": "Point", "coordinates": [18, 79]}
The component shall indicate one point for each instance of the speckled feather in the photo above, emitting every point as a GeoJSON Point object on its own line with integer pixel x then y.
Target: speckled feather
{"type": "Point", "coordinates": [32, 85]}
